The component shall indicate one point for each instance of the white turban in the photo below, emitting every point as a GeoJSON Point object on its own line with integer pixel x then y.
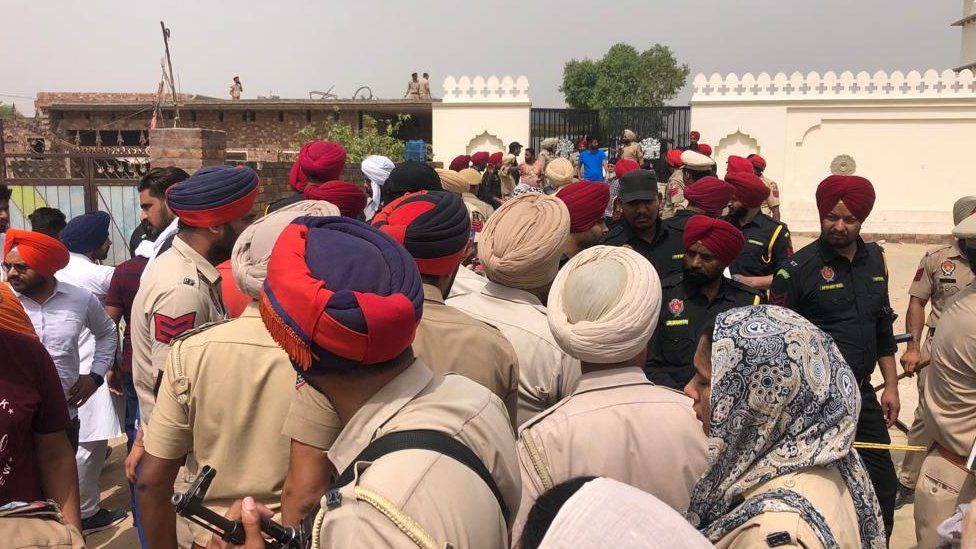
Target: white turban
{"type": "Point", "coordinates": [629, 135]}
{"type": "Point", "coordinates": [549, 143]}
{"type": "Point", "coordinates": [252, 251]}
{"type": "Point", "coordinates": [604, 305]}
{"type": "Point", "coordinates": [376, 168]}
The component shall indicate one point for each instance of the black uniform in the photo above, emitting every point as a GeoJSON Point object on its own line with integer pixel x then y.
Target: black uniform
{"type": "Point", "coordinates": [685, 312]}
{"type": "Point", "coordinates": [665, 252]}
{"type": "Point", "coordinates": [767, 246]}
{"type": "Point", "coordinates": [490, 188]}
{"type": "Point", "coordinates": [678, 221]}
{"type": "Point", "coordinates": [849, 301]}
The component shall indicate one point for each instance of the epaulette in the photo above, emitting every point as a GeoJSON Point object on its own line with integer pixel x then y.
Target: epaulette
{"type": "Point", "coordinates": [672, 280]}
{"type": "Point", "coordinates": [801, 257]}
{"type": "Point", "coordinates": [938, 249]}
{"type": "Point", "coordinates": [200, 328]}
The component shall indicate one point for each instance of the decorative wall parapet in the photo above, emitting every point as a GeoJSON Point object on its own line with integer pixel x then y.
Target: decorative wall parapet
{"type": "Point", "coordinates": [479, 89]}
{"type": "Point", "coordinates": [815, 87]}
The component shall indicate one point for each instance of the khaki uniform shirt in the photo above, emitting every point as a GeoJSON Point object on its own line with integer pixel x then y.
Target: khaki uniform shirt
{"type": "Point", "coordinates": [616, 424]}
{"type": "Point", "coordinates": [674, 196]}
{"type": "Point", "coordinates": [633, 152]}
{"type": "Point", "coordinates": [942, 272]}
{"type": "Point", "coordinates": [179, 291]}
{"type": "Point", "coordinates": [773, 200]}
{"type": "Point", "coordinates": [825, 489]}
{"type": "Point", "coordinates": [544, 158]}
{"type": "Point", "coordinates": [478, 211]}
{"type": "Point", "coordinates": [222, 402]}
{"type": "Point", "coordinates": [546, 373]}
{"type": "Point", "coordinates": [413, 90]}
{"type": "Point", "coordinates": [950, 390]}
{"type": "Point", "coordinates": [440, 499]}
{"type": "Point", "coordinates": [448, 340]}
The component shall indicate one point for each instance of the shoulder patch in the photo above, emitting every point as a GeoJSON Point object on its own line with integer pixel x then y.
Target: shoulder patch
{"type": "Point", "coordinates": [167, 328]}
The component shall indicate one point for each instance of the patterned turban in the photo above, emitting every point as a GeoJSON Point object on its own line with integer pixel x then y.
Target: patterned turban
{"type": "Point", "coordinates": [348, 197]}
{"type": "Point", "coordinates": [433, 226]}
{"type": "Point", "coordinates": [749, 189]}
{"type": "Point", "coordinates": [252, 250]}
{"type": "Point", "coordinates": [711, 194]}
{"type": "Point", "coordinates": [86, 233]}
{"type": "Point", "coordinates": [40, 252]}
{"type": "Point", "coordinates": [586, 201]}
{"type": "Point", "coordinates": [480, 158]}
{"type": "Point", "coordinates": [623, 166]}
{"type": "Point", "coordinates": [856, 192]}
{"type": "Point", "coordinates": [523, 240]}
{"type": "Point", "coordinates": [318, 160]}
{"type": "Point", "coordinates": [460, 162]}
{"type": "Point", "coordinates": [559, 172]}
{"type": "Point", "coordinates": [452, 181]}
{"type": "Point", "coordinates": [214, 195]}
{"type": "Point", "coordinates": [604, 304]}
{"type": "Point", "coordinates": [721, 238]}
{"type": "Point", "coordinates": [340, 294]}
{"type": "Point", "coordinates": [408, 177]}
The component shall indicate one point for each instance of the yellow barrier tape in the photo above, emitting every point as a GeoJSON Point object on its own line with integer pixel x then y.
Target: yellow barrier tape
{"type": "Point", "coordinates": [897, 447]}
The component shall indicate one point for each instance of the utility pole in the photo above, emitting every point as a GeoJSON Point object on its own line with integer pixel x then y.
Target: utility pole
{"type": "Point", "coordinates": [169, 76]}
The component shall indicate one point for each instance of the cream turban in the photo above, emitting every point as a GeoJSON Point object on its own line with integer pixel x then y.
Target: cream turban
{"type": "Point", "coordinates": [559, 172]}
{"type": "Point", "coordinates": [452, 181]}
{"type": "Point", "coordinates": [471, 175]}
{"type": "Point", "coordinates": [523, 240]}
{"type": "Point", "coordinates": [249, 260]}
{"type": "Point", "coordinates": [604, 304]}
{"type": "Point", "coordinates": [629, 135]}
{"type": "Point", "coordinates": [549, 143]}
{"type": "Point", "coordinates": [963, 208]}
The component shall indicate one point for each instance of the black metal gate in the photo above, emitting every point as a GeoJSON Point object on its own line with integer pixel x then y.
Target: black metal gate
{"type": "Point", "coordinates": [563, 124]}
{"type": "Point", "coordinates": [669, 125]}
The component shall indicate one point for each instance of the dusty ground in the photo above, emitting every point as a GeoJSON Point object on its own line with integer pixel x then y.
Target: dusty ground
{"type": "Point", "coordinates": [902, 262]}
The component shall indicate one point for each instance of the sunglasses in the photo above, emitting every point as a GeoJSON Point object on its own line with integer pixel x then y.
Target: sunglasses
{"type": "Point", "coordinates": [21, 268]}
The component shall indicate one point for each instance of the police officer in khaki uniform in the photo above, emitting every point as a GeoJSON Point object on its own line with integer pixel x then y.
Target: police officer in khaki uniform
{"type": "Point", "coordinates": [181, 289]}
{"type": "Point", "coordinates": [434, 227]}
{"type": "Point", "coordinates": [941, 273]}
{"type": "Point", "coordinates": [696, 166]}
{"type": "Point", "coordinates": [602, 309]}
{"type": "Point", "coordinates": [945, 481]}
{"type": "Point", "coordinates": [223, 400]}
{"type": "Point", "coordinates": [770, 206]}
{"type": "Point", "coordinates": [478, 210]}
{"type": "Point", "coordinates": [631, 149]}
{"type": "Point", "coordinates": [356, 352]}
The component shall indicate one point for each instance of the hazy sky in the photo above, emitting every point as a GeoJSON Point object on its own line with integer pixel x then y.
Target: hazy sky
{"type": "Point", "coordinates": [289, 47]}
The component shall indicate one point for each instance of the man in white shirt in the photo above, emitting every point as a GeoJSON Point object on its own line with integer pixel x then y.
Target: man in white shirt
{"type": "Point", "coordinates": [87, 239]}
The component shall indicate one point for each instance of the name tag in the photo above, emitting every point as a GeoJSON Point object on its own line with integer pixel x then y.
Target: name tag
{"type": "Point", "coordinates": [947, 280]}
{"type": "Point", "coordinates": [878, 278]}
{"type": "Point", "coordinates": [756, 242]}
{"type": "Point", "coordinates": [678, 256]}
{"type": "Point", "coordinates": [783, 273]}
{"type": "Point", "coordinates": [681, 322]}
{"type": "Point", "coordinates": [835, 286]}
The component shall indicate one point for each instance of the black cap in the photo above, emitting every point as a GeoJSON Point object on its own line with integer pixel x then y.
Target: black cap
{"type": "Point", "coordinates": [638, 185]}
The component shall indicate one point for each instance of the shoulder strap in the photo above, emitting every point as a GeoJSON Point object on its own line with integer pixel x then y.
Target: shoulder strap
{"type": "Point", "coordinates": [423, 439]}
{"type": "Point", "coordinates": [769, 249]}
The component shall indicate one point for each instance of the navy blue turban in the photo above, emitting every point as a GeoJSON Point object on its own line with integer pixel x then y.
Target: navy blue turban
{"type": "Point", "coordinates": [86, 233]}
{"type": "Point", "coordinates": [214, 195]}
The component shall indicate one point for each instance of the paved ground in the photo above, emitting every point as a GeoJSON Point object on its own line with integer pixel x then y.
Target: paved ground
{"type": "Point", "coordinates": [902, 262]}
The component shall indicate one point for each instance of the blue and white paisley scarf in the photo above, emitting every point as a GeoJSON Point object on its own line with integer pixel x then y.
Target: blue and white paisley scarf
{"type": "Point", "coordinates": [783, 399]}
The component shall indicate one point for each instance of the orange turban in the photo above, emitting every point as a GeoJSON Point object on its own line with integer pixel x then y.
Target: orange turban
{"type": "Point", "coordinates": [12, 315]}
{"type": "Point", "coordinates": [42, 253]}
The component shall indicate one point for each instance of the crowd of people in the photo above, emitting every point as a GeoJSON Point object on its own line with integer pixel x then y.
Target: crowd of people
{"type": "Point", "coordinates": [551, 353]}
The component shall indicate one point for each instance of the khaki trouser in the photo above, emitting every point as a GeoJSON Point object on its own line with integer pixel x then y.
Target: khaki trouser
{"type": "Point", "coordinates": [941, 487]}
{"type": "Point", "coordinates": [917, 434]}
{"type": "Point", "coordinates": [17, 533]}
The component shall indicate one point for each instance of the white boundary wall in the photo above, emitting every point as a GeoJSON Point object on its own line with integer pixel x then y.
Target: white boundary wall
{"type": "Point", "coordinates": [480, 114]}
{"type": "Point", "coordinates": [913, 136]}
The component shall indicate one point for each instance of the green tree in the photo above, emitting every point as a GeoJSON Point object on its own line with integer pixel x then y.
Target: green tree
{"type": "Point", "coordinates": [373, 138]}
{"type": "Point", "coordinates": [624, 77]}
{"type": "Point", "coordinates": [8, 111]}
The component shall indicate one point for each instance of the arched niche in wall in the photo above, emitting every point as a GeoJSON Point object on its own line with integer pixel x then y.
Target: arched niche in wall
{"type": "Point", "coordinates": [738, 143]}
{"type": "Point", "coordinates": [485, 142]}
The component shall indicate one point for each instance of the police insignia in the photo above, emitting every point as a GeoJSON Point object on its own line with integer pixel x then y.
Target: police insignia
{"type": "Point", "coordinates": [676, 306]}
{"type": "Point", "coordinates": [948, 267]}
{"type": "Point", "coordinates": [918, 274]}
{"type": "Point", "coordinates": [827, 273]}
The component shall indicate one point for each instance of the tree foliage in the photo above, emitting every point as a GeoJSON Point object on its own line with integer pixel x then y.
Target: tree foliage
{"type": "Point", "coordinates": [624, 77]}
{"type": "Point", "coordinates": [374, 138]}
{"type": "Point", "coordinates": [8, 111]}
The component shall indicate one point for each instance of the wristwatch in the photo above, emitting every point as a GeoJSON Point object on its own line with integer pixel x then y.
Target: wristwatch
{"type": "Point", "coordinates": [98, 379]}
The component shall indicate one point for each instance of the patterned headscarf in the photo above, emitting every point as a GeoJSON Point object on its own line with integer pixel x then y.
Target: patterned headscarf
{"type": "Point", "coordinates": [783, 400]}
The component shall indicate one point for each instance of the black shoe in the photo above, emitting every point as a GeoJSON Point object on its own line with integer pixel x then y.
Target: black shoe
{"type": "Point", "coordinates": [101, 520]}
{"type": "Point", "coordinates": [904, 496]}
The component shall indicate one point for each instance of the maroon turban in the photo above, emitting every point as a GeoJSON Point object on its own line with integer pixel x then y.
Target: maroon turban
{"type": "Point", "coordinates": [709, 193]}
{"type": "Point", "coordinates": [348, 197]}
{"type": "Point", "coordinates": [586, 202]}
{"type": "Point", "coordinates": [623, 166]}
{"type": "Point", "coordinates": [695, 136]}
{"type": "Point", "coordinates": [705, 149]}
{"type": "Point", "coordinates": [460, 162]}
{"type": "Point", "coordinates": [496, 158]}
{"type": "Point", "coordinates": [480, 159]}
{"type": "Point", "coordinates": [319, 160]}
{"type": "Point", "coordinates": [720, 237]}
{"type": "Point", "coordinates": [856, 192]}
{"type": "Point", "coordinates": [758, 162]}
{"type": "Point", "coordinates": [40, 252]}
{"type": "Point", "coordinates": [749, 189]}
{"type": "Point", "coordinates": [739, 164]}
{"type": "Point", "coordinates": [673, 158]}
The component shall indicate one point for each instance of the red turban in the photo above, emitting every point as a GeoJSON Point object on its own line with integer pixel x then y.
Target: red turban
{"type": "Point", "coordinates": [856, 192]}
{"type": "Point", "coordinates": [758, 162]}
{"type": "Point", "coordinates": [460, 162]}
{"type": "Point", "coordinates": [586, 202]}
{"type": "Point", "coordinates": [695, 136]}
{"type": "Point", "coordinates": [749, 189]}
{"type": "Point", "coordinates": [496, 158]}
{"type": "Point", "coordinates": [720, 237]}
{"type": "Point", "coordinates": [739, 164]}
{"type": "Point", "coordinates": [319, 160]}
{"type": "Point", "coordinates": [623, 166]}
{"type": "Point", "coordinates": [709, 193]}
{"type": "Point", "coordinates": [480, 158]}
{"type": "Point", "coordinates": [673, 158]}
{"type": "Point", "coordinates": [348, 197]}
{"type": "Point", "coordinates": [42, 253]}
{"type": "Point", "coordinates": [705, 149]}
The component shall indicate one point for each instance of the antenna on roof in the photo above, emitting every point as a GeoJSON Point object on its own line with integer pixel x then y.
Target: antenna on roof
{"type": "Point", "coordinates": [168, 76]}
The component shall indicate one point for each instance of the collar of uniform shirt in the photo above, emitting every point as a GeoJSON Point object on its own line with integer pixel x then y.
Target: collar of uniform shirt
{"type": "Point", "coordinates": [433, 293]}
{"type": "Point", "coordinates": [206, 269]}
{"type": "Point", "coordinates": [613, 377]}
{"type": "Point", "coordinates": [828, 253]}
{"type": "Point", "coordinates": [723, 290]}
{"type": "Point", "coordinates": [497, 291]}
{"type": "Point", "coordinates": [362, 426]}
